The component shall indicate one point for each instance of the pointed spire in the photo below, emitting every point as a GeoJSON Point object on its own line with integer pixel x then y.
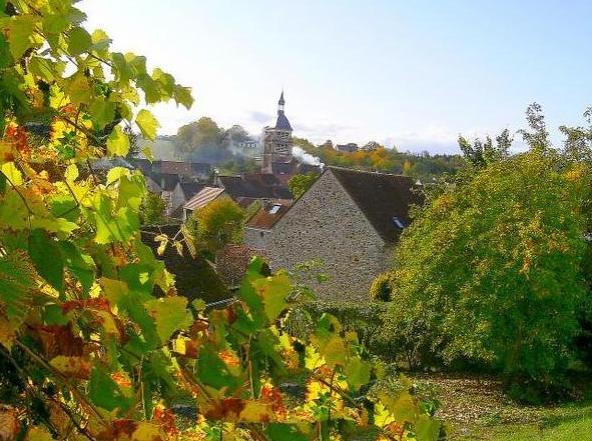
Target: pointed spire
{"type": "Point", "coordinates": [281, 102]}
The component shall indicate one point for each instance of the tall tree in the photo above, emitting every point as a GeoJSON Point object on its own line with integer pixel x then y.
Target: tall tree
{"type": "Point", "coordinates": [537, 138]}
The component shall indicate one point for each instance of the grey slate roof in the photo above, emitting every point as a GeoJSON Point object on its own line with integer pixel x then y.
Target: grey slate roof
{"type": "Point", "coordinates": [382, 198]}
{"type": "Point", "coordinates": [282, 122]}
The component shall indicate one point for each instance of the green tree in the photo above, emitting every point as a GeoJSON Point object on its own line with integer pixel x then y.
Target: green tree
{"type": "Point", "coordinates": [489, 272]}
{"type": "Point", "coordinates": [299, 184]}
{"type": "Point", "coordinates": [202, 133]}
{"type": "Point", "coordinates": [153, 209]}
{"type": "Point", "coordinates": [219, 223]}
{"type": "Point", "coordinates": [481, 153]}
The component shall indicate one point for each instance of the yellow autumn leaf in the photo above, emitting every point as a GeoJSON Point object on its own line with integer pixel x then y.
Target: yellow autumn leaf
{"type": "Point", "coordinates": [12, 173]}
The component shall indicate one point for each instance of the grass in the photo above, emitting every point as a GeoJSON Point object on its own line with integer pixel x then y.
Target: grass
{"type": "Point", "coordinates": [476, 409]}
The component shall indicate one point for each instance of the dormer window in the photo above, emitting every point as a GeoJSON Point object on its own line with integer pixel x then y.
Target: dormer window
{"type": "Point", "coordinates": [398, 223]}
{"type": "Point", "coordinates": [274, 209]}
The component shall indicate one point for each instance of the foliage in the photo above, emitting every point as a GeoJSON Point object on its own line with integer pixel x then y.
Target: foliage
{"type": "Point", "coordinates": [153, 208]}
{"type": "Point", "coordinates": [481, 153]}
{"type": "Point", "coordinates": [490, 272]}
{"type": "Point", "coordinates": [299, 184]}
{"type": "Point", "coordinates": [382, 288]}
{"type": "Point", "coordinates": [217, 224]}
{"type": "Point", "coordinates": [423, 166]}
{"type": "Point", "coordinates": [86, 349]}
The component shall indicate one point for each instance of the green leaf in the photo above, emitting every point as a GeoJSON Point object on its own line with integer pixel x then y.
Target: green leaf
{"type": "Point", "coordinates": [102, 112]}
{"type": "Point", "coordinates": [80, 41]}
{"type": "Point", "coordinates": [47, 258]}
{"type": "Point", "coordinates": [80, 265]}
{"type": "Point", "coordinates": [213, 371]}
{"type": "Point", "coordinates": [118, 143]}
{"type": "Point", "coordinates": [148, 124]}
{"type": "Point", "coordinates": [183, 96]}
{"type": "Point", "coordinates": [273, 291]}
{"type": "Point", "coordinates": [104, 392]}
{"type": "Point", "coordinates": [100, 40]}
{"type": "Point", "coordinates": [284, 432]}
{"type": "Point", "coordinates": [427, 429]}
{"type": "Point", "coordinates": [357, 372]}
{"type": "Point", "coordinates": [20, 31]}
{"type": "Point", "coordinates": [170, 315]}
{"type": "Point", "coordinates": [17, 279]}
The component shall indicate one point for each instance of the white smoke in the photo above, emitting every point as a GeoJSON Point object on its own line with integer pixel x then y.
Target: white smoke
{"type": "Point", "coordinates": [306, 158]}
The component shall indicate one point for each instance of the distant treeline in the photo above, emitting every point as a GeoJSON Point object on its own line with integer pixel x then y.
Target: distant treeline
{"type": "Point", "coordinates": [382, 159]}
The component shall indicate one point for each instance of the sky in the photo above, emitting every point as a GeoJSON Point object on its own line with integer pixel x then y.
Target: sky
{"type": "Point", "coordinates": [413, 74]}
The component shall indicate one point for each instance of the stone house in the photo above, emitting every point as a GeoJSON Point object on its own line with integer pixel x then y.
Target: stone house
{"type": "Point", "coordinates": [348, 220]}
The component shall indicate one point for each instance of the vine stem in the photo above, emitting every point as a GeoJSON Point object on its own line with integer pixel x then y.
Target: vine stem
{"type": "Point", "coordinates": [64, 381]}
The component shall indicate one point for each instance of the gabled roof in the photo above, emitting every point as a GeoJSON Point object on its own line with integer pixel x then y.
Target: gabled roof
{"type": "Point", "coordinates": [258, 186]}
{"type": "Point", "coordinates": [382, 198]}
{"type": "Point", "coordinates": [204, 197]}
{"type": "Point", "coordinates": [268, 215]}
{"type": "Point", "coordinates": [190, 189]}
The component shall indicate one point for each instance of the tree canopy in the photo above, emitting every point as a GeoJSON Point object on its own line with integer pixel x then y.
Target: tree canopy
{"type": "Point", "coordinates": [490, 272]}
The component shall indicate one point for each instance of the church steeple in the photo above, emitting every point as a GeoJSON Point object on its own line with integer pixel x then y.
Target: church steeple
{"type": "Point", "coordinates": [281, 103]}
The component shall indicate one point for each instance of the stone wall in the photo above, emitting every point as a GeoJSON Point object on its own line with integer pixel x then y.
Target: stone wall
{"type": "Point", "coordinates": [257, 239]}
{"type": "Point", "coordinates": [325, 224]}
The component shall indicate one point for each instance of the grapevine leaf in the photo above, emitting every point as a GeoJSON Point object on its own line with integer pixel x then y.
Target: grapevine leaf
{"type": "Point", "coordinates": [104, 392]}
{"type": "Point", "coordinates": [282, 432]}
{"type": "Point", "coordinates": [118, 143]}
{"type": "Point", "coordinates": [183, 96]}
{"type": "Point", "coordinates": [47, 258]}
{"type": "Point", "coordinates": [427, 429]}
{"type": "Point", "coordinates": [21, 30]}
{"type": "Point", "coordinates": [102, 112]}
{"type": "Point", "coordinates": [213, 371]}
{"type": "Point", "coordinates": [170, 315]}
{"type": "Point", "coordinates": [80, 265]}
{"type": "Point", "coordinates": [148, 124]}
{"type": "Point", "coordinates": [273, 291]}
{"type": "Point", "coordinates": [357, 372]}
{"type": "Point", "coordinates": [80, 41]}
{"type": "Point", "coordinates": [12, 174]}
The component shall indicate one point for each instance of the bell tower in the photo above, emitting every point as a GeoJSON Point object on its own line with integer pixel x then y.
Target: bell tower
{"type": "Point", "coordinates": [277, 141]}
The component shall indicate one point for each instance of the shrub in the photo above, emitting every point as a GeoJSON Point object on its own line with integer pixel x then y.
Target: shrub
{"type": "Point", "coordinates": [382, 288]}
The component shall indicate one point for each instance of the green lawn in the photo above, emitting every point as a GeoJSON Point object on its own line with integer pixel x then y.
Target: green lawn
{"type": "Point", "coordinates": [476, 409]}
{"type": "Point", "coordinates": [574, 430]}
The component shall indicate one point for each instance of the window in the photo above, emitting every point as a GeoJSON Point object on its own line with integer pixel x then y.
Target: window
{"type": "Point", "coordinates": [398, 223]}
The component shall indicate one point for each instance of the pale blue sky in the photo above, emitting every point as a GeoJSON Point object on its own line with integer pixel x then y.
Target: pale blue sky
{"type": "Point", "coordinates": [410, 73]}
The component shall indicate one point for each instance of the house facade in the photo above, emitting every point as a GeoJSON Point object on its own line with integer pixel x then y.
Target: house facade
{"type": "Point", "coordinates": [348, 222]}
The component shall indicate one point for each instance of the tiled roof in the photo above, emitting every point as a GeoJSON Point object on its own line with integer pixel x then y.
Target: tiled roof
{"type": "Point", "coordinates": [173, 168]}
{"type": "Point", "coordinates": [190, 189]}
{"type": "Point", "coordinates": [232, 262]}
{"type": "Point", "coordinates": [268, 215]}
{"type": "Point", "coordinates": [194, 278]}
{"type": "Point", "coordinates": [204, 197]}
{"type": "Point", "coordinates": [384, 199]}
{"type": "Point", "coordinates": [256, 186]}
